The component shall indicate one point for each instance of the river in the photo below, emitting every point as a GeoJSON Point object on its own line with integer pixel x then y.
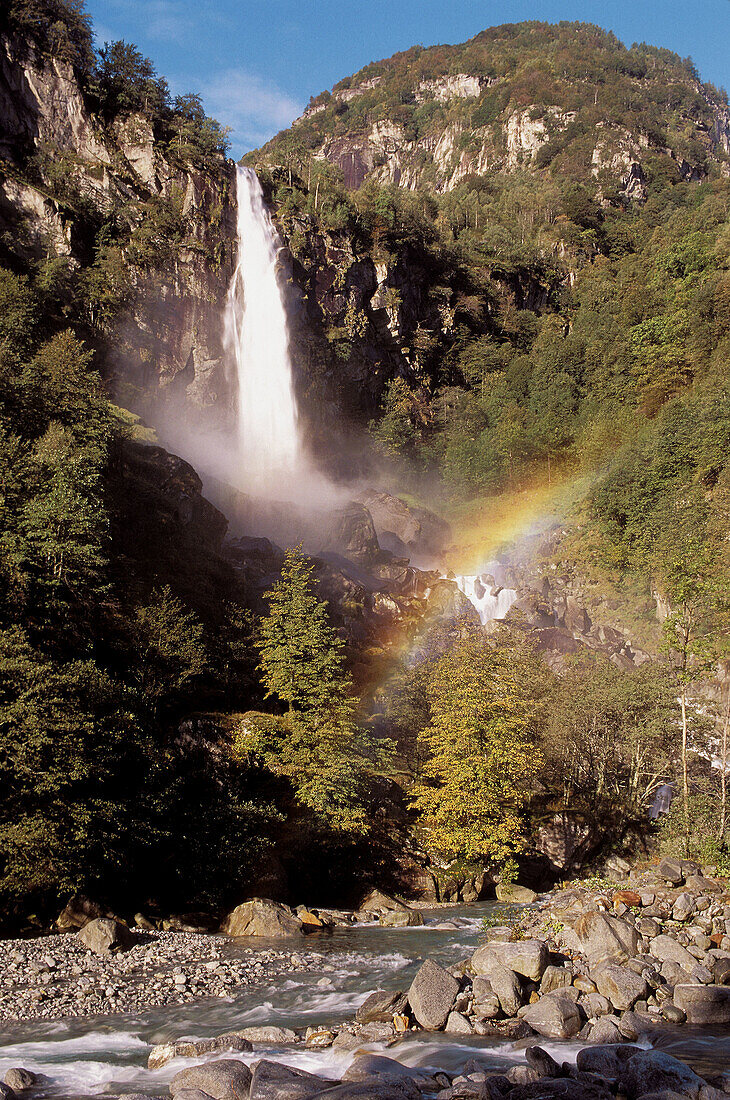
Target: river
{"type": "Point", "coordinates": [108, 1055]}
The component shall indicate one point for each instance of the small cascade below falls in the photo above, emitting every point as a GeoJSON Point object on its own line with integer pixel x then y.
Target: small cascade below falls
{"type": "Point", "coordinates": [490, 599]}
{"type": "Point", "coordinates": [257, 340]}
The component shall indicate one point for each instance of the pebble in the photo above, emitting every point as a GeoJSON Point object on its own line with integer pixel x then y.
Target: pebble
{"type": "Point", "coordinates": [55, 976]}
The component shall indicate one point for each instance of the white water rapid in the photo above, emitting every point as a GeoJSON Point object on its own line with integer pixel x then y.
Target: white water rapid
{"type": "Point", "coordinates": [257, 340]}
{"type": "Point", "coordinates": [478, 589]}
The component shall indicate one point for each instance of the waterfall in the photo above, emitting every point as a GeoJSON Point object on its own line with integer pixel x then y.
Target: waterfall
{"type": "Point", "coordinates": [257, 341]}
{"type": "Point", "coordinates": [478, 590]}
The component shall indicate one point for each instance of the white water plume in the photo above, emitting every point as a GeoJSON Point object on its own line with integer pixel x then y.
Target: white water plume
{"type": "Point", "coordinates": [491, 600]}
{"type": "Point", "coordinates": [269, 449]}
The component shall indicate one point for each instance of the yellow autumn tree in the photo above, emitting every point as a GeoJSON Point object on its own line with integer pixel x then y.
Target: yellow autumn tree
{"type": "Point", "coordinates": [482, 754]}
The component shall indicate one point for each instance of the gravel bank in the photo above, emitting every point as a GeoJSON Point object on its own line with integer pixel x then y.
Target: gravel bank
{"type": "Point", "coordinates": [56, 976]}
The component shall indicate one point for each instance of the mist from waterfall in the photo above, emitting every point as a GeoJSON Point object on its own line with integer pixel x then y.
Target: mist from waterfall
{"type": "Point", "coordinates": [257, 341]}
{"type": "Point", "coordinates": [490, 599]}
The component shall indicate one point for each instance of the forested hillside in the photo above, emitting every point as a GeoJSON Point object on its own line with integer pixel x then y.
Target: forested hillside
{"type": "Point", "coordinates": [508, 267]}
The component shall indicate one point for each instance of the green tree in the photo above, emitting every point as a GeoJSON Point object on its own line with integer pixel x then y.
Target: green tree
{"type": "Point", "coordinates": [481, 742]}
{"type": "Point", "coordinates": [302, 663]}
{"type": "Point", "coordinates": [171, 648]}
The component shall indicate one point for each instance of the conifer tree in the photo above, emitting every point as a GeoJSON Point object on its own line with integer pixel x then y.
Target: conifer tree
{"type": "Point", "coordinates": [302, 663]}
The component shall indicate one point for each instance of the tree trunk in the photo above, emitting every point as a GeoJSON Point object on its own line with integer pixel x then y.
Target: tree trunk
{"type": "Point", "coordinates": [685, 782]}
{"type": "Point", "coordinates": [723, 772]}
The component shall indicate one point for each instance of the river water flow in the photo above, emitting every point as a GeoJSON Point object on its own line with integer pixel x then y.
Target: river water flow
{"type": "Point", "coordinates": [108, 1055]}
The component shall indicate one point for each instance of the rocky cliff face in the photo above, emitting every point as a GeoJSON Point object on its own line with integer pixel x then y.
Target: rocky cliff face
{"type": "Point", "coordinates": [68, 182]}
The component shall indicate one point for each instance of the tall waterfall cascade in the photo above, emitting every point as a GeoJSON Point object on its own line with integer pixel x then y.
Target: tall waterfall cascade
{"type": "Point", "coordinates": [490, 600]}
{"type": "Point", "coordinates": [257, 341]}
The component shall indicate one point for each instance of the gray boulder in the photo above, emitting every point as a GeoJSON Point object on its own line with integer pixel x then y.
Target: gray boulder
{"type": "Point", "coordinates": [605, 1030]}
{"type": "Point", "coordinates": [666, 949]}
{"type": "Point", "coordinates": [683, 907]}
{"type": "Point", "coordinates": [698, 884]}
{"type": "Point", "coordinates": [555, 977]}
{"type": "Point", "coordinates": [274, 1081]}
{"type": "Point", "coordinates": [505, 984]}
{"type": "Point", "coordinates": [486, 1001]}
{"type": "Point", "coordinates": [562, 1088]}
{"type": "Point", "coordinates": [165, 1052]}
{"type": "Point", "coordinates": [622, 986]}
{"type": "Point", "coordinates": [555, 1016]}
{"type": "Point", "coordinates": [381, 1087]}
{"type": "Point", "coordinates": [105, 936]}
{"type": "Point", "coordinates": [457, 1024]}
{"type": "Point", "coordinates": [671, 871]}
{"type": "Point", "coordinates": [400, 918]}
{"type": "Point", "coordinates": [602, 938]}
{"type": "Point", "coordinates": [266, 1033]}
{"type": "Point", "coordinates": [380, 1006]}
{"type": "Point", "coordinates": [228, 1079]}
{"type": "Point", "coordinates": [261, 917]}
{"type": "Point", "coordinates": [543, 1063]}
{"type": "Point", "coordinates": [654, 1071]}
{"type": "Point", "coordinates": [606, 1060]}
{"type": "Point", "coordinates": [78, 912]}
{"type": "Point", "coordinates": [704, 1004]}
{"type": "Point", "coordinates": [432, 995]}
{"type": "Point", "coordinates": [526, 957]}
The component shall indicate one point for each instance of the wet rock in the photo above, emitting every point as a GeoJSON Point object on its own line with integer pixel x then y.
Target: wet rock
{"type": "Point", "coordinates": [228, 1079]}
{"type": "Point", "coordinates": [366, 1067]}
{"type": "Point", "coordinates": [163, 1053]}
{"type": "Point", "coordinates": [602, 938]}
{"type": "Point", "coordinates": [266, 1033]}
{"type": "Point", "coordinates": [555, 1016]}
{"type": "Point", "coordinates": [526, 957]}
{"type": "Point", "coordinates": [622, 987]}
{"type": "Point", "coordinates": [19, 1079]}
{"type": "Point", "coordinates": [381, 1006]}
{"type": "Point", "coordinates": [105, 936]}
{"type": "Point", "coordinates": [605, 1060]}
{"type": "Point", "coordinates": [704, 1004]}
{"type": "Point", "coordinates": [275, 1081]}
{"type": "Point", "coordinates": [560, 1089]}
{"type": "Point", "coordinates": [398, 918]}
{"type": "Point", "coordinates": [432, 995]}
{"type": "Point", "coordinates": [654, 1071]}
{"type": "Point", "coordinates": [261, 917]}
{"type": "Point", "coordinates": [543, 1063]}
{"type": "Point", "coordinates": [381, 1087]}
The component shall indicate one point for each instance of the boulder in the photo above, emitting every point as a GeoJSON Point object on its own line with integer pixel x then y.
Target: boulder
{"type": "Point", "coordinates": [698, 884]}
{"type": "Point", "coordinates": [622, 986]}
{"type": "Point", "coordinates": [605, 1030]}
{"type": "Point", "coordinates": [105, 936]}
{"type": "Point", "coordinates": [165, 1052]}
{"type": "Point", "coordinates": [671, 871]}
{"type": "Point", "coordinates": [543, 1063]}
{"type": "Point", "coordinates": [526, 957]}
{"type": "Point", "coordinates": [266, 1033]}
{"type": "Point", "coordinates": [381, 1087]}
{"type": "Point", "coordinates": [561, 1088]}
{"type": "Point", "coordinates": [555, 977]}
{"type": "Point", "coordinates": [704, 1004]}
{"type": "Point", "coordinates": [432, 995]}
{"type": "Point", "coordinates": [380, 1006]}
{"type": "Point", "coordinates": [555, 1016]}
{"type": "Point", "coordinates": [457, 1024]}
{"type": "Point", "coordinates": [376, 901]}
{"type": "Point", "coordinates": [78, 912]}
{"type": "Point", "coordinates": [228, 1079]}
{"type": "Point", "coordinates": [274, 1081]}
{"type": "Point", "coordinates": [19, 1079]}
{"type": "Point", "coordinates": [606, 1060]}
{"type": "Point", "coordinates": [367, 1067]}
{"type": "Point", "coordinates": [399, 918]}
{"type": "Point", "coordinates": [504, 983]}
{"type": "Point", "coordinates": [654, 1071]}
{"type": "Point", "coordinates": [511, 892]}
{"type": "Point", "coordinates": [666, 949]}
{"type": "Point", "coordinates": [485, 1000]}
{"type": "Point", "coordinates": [602, 938]}
{"type": "Point", "coordinates": [261, 917]}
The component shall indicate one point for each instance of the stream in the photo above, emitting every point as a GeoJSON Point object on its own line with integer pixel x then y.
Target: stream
{"type": "Point", "coordinates": [93, 1056]}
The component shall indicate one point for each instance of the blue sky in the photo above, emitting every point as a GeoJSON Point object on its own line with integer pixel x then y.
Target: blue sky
{"type": "Point", "coordinates": [256, 64]}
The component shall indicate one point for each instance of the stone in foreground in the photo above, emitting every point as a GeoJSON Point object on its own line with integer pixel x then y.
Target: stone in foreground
{"type": "Point", "coordinates": [654, 1071]}
{"type": "Point", "coordinates": [604, 939]}
{"type": "Point", "coordinates": [432, 995]}
{"type": "Point", "coordinates": [526, 957]}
